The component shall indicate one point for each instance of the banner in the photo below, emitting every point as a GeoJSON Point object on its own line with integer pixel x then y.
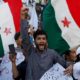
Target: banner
{"type": "Point", "coordinates": [56, 73]}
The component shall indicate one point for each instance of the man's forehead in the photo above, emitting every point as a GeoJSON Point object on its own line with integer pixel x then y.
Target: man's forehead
{"type": "Point", "coordinates": [41, 35]}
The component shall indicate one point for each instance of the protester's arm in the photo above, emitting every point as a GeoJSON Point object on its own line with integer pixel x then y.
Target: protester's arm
{"type": "Point", "coordinates": [59, 59]}
{"type": "Point", "coordinates": [14, 70]}
{"type": "Point", "coordinates": [24, 32]}
{"type": "Point", "coordinates": [68, 69]}
{"type": "Point", "coordinates": [24, 13]}
{"type": "Point", "coordinates": [12, 57]}
{"type": "Point", "coordinates": [29, 75]}
{"type": "Point", "coordinates": [24, 22]}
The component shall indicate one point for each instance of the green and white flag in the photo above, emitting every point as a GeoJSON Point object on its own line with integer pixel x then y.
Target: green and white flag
{"type": "Point", "coordinates": [61, 21]}
{"type": "Point", "coordinates": [7, 29]}
{"type": "Point", "coordinates": [9, 23]}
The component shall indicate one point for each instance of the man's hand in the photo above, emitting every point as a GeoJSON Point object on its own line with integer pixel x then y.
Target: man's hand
{"type": "Point", "coordinates": [12, 57]}
{"type": "Point", "coordinates": [24, 13]}
{"type": "Point", "coordinates": [68, 70]}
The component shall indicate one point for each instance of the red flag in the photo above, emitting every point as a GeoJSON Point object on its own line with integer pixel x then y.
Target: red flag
{"type": "Point", "coordinates": [74, 7]}
{"type": "Point", "coordinates": [15, 6]}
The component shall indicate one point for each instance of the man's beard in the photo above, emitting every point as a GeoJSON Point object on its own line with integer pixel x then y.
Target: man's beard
{"type": "Point", "coordinates": [38, 46]}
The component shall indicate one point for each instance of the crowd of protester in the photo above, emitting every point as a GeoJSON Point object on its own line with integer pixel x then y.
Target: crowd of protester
{"type": "Point", "coordinates": [37, 57]}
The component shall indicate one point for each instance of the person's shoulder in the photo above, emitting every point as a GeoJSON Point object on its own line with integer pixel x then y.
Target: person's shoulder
{"type": "Point", "coordinates": [51, 50]}
{"type": "Point", "coordinates": [32, 54]}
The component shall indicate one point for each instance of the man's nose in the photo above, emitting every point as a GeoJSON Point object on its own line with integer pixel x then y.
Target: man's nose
{"type": "Point", "coordinates": [42, 39]}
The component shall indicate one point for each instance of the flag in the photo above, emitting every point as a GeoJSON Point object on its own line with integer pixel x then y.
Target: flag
{"type": "Point", "coordinates": [32, 13]}
{"type": "Point", "coordinates": [61, 21]}
{"type": "Point", "coordinates": [15, 7]}
{"type": "Point", "coordinates": [1, 1]}
{"type": "Point", "coordinates": [34, 18]}
{"type": "Point", "coordinates": [1, 47]}
{"type": "Point", "coordinates": [9, 23]}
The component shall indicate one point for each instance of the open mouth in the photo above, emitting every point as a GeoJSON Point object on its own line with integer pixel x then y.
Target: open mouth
{"type": "Point", "coordinates": [41, 44]}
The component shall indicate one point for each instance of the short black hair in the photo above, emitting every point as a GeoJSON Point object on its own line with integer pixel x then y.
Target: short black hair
{"type": "Point", "coordinates": [39, 32]}
{"type": "Point", "coordinates": [17, 35]}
